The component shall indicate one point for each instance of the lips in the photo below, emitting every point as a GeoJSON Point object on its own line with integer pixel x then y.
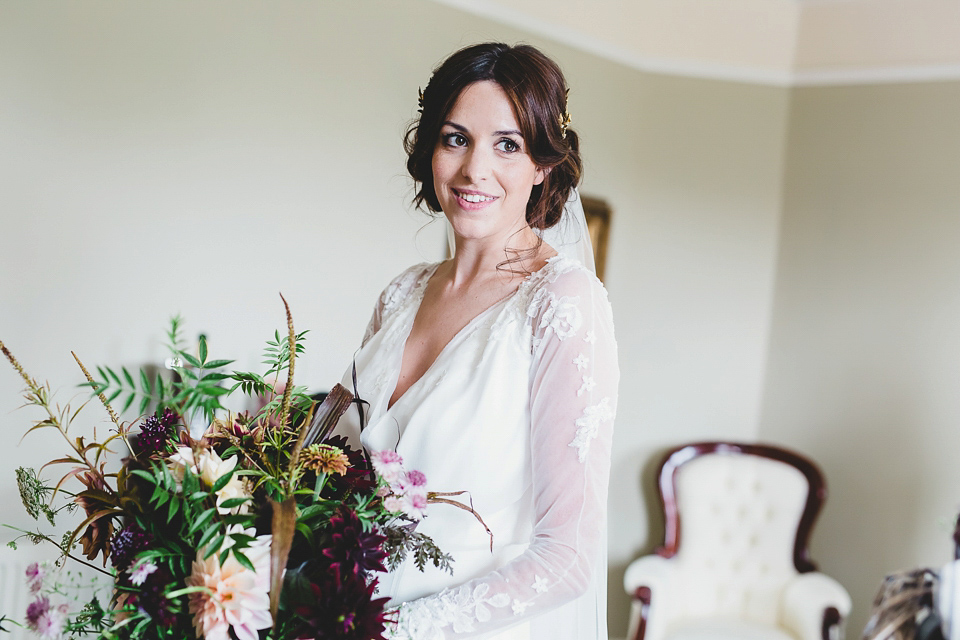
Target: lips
{"type": "Point", "coordinates": [472, 200]}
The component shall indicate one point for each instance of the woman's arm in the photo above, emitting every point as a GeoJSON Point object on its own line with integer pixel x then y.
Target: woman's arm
{"type": "Point", "coordinates": [573, 397]}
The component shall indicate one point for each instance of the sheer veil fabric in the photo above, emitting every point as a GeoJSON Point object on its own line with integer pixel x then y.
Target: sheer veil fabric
{"type": "Point", "coordinates": [517, 410]}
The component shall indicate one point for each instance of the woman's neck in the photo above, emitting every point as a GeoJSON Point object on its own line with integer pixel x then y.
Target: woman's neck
{"type": "Point", "coordinates": [480, 258]}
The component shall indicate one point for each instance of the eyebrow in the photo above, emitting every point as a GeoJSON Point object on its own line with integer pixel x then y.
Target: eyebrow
{"type": "Point", "coordinates": [462, 129]}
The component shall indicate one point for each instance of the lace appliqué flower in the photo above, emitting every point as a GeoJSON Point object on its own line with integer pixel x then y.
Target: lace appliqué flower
{"type": "Point", "coordinates": [520, 607]}
{"type": "Point", "coordinates": [562, 314]}
{"type": "Point", "coordinates": [403, 286]}
{"type": "Point", "coordinates": [581, 361]}
{"type": "Point", "coordinates": [539, 584]}
{"type": "Point", "coordinates": [587, 386]}
{"type": "Point", "coordinates": [588, 425]}
{"type": "Point", "coordinates": [459, 608]}
{"type": "Point", "coordinates": [392, 296]}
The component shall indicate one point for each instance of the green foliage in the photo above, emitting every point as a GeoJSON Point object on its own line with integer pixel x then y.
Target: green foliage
{"type": "Point", "coordinates": [197, 386]}
{"type": "Point", "coordinates": [34, 494]}
{"type": "Point", "coordinates": [403, 540]}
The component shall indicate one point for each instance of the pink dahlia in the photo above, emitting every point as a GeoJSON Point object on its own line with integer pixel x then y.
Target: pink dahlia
{"type": "Point", "coordinates": [237, 597]}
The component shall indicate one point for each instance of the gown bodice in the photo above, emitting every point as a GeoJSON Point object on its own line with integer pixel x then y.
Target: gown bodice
{"type": "Point", "coordinates": [516, 410]}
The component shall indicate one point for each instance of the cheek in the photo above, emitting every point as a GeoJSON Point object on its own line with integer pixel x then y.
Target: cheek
{"type": "Point", "coordinates": [441, 168]}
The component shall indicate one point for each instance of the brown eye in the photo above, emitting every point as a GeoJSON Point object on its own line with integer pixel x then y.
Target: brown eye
{"type": "Point", "coordinates": [454, 140]}
{"type": "Point", "coordinates": [507, 145]}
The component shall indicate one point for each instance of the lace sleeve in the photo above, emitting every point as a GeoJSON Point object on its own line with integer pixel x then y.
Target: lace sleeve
{"type": "Point", "coordinates": [573, 396]}
{"type": "Point", "coordinates": [391, 297]}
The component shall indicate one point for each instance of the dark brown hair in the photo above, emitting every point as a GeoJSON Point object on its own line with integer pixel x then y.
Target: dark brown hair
{"type": "Point", "coordinates": [537, 90]}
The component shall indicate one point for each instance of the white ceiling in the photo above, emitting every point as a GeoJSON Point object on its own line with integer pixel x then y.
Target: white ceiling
{"type": "Point", "coordinates": [780, 42]}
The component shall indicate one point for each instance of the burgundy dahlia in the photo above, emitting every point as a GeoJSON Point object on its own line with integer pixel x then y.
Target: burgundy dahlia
{"type": "Point", "coordinates": [342, 608]}
{"type": "Point", "coordinates": [358, 476]}
{"type": "Point", "coordinates": [353, 550]}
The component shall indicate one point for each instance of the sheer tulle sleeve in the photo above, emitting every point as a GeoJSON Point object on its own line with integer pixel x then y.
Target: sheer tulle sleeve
{"type": "Point", "coordinates": [573, 396]}
{"type": "Point", "coordinates": [392, 295]}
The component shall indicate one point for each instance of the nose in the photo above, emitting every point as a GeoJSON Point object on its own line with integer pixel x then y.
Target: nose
{"type": "Point", "coordinates": [477, 164]}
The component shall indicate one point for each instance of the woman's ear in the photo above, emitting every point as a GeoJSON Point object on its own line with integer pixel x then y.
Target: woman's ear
{"type": "Point", "coordinates": [541, 175]}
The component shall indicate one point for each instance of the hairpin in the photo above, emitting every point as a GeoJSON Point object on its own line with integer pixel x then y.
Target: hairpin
{"type": "Point", "coordinates": [420, 100]}
{"type": "Point", "coordinates": [564, 118]}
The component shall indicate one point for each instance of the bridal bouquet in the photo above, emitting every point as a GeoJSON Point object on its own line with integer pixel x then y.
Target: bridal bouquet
{"type": "Point", "coordinates": [262, 526]}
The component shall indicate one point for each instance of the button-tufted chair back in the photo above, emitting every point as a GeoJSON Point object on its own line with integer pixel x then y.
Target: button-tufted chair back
{"type": "Point", "coordinates": [739, 516]}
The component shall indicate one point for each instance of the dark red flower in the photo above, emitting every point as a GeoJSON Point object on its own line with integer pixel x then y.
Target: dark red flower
{"type": "Point", "coordinates": [156, 431]}
{"type": "Point", "coordinates": [353, 550]}
{"type": "Point", "coordinates": [342, 608]}
{"type": "Point", "coordinates": [359, 477]}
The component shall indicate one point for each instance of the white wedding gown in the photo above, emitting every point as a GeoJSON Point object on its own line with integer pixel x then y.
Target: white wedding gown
{"type": "Point", "coordinates": [517, 410]}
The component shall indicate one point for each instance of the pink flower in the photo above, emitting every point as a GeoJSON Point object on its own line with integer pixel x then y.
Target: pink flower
{"type": "Point", "coordinates": [416, 478]}
{"type": "Point", "coordinates": [414, 505]}
{"type": "Point", "coordinates": [237, 597]}
{"type": "Point", "coordinates": [388, 465]}
{"type": "Point", "coordinates": [35, 575]}
{"type": "Point", "coordinates": [393, 504]}
{"type": "Point", "coordinates": [46, 620]}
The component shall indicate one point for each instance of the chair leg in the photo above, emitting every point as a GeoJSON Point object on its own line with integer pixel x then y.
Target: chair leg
{"type": "Point", "coordinates": [831, 624]}
{"type": "Point", "coordinates": [642, 595]}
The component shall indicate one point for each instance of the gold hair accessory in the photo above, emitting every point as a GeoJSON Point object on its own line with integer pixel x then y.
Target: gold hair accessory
{"type": "Point", "coordinates": [420, 100]}
{"type": "Point", "coordinates": [564, 118]}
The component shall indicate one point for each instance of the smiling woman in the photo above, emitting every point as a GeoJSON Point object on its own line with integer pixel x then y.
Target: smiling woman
{"type": "Point", "coordinates": [482, 173]}
{"type": "Point", "coordinates": [495, 372]}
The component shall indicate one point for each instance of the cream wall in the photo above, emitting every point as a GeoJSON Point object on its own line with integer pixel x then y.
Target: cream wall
{"type": "Point", "coordinates": [865, 343]}
{"type": "Point", "coordinates": [199, 158]}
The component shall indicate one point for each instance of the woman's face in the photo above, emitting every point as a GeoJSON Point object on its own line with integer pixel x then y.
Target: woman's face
{"type": "Point", "coordinates": [482, 171]}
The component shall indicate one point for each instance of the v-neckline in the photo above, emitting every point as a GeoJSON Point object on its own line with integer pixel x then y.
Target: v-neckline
{"type": "Point", "coordinates": [422, 286]}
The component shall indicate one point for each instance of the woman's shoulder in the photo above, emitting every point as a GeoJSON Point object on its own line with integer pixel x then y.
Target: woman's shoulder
{"type": "Point", "coordinates": [404, 284]}
{"type": "Point", "coordinates": [561, 293]}
{"type": "Point", "coordinates": [563, 276]}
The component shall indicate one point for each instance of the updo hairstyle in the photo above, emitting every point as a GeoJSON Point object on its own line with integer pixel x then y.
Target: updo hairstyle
{"type": "Point", "coordinates": [537, 90]}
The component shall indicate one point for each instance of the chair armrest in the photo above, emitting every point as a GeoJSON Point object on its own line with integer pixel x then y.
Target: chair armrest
{"type": "Point", "coordinates": [814, 606]}
{"type": "Point", "coordinates": [647, 580]}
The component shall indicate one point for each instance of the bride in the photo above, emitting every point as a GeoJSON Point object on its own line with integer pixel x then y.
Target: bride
{"type": "Point", "coordinates": [495, 372]}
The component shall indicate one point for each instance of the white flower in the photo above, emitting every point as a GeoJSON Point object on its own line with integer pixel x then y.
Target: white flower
{"type": "Point", "coordinates": [140, 571]}
{"type": "Point", "coordinates": [210, 468]}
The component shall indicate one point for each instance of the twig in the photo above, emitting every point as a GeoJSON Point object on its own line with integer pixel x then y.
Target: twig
{"type": "Point", "coordinates": [16, 365]}
{"type": "Point", "coordinates": [106, 405]}
{"type": "Point", "coordinates": [434, 497]}
{"type": "Point", "coordinates": [292, 347]}
{"type": "Point", "coordinates": [42, 399]}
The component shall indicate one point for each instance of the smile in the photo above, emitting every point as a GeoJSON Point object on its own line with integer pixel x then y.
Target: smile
{"type": "Point", "coordinates": [473, 198]}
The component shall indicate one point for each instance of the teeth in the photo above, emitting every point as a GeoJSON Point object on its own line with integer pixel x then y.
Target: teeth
{"type": "Point", "coordinates": [469, 197]}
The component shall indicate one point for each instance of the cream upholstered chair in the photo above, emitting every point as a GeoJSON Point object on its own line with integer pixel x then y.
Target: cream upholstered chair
{"type": "Point", "coordinates": [742, 572]}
